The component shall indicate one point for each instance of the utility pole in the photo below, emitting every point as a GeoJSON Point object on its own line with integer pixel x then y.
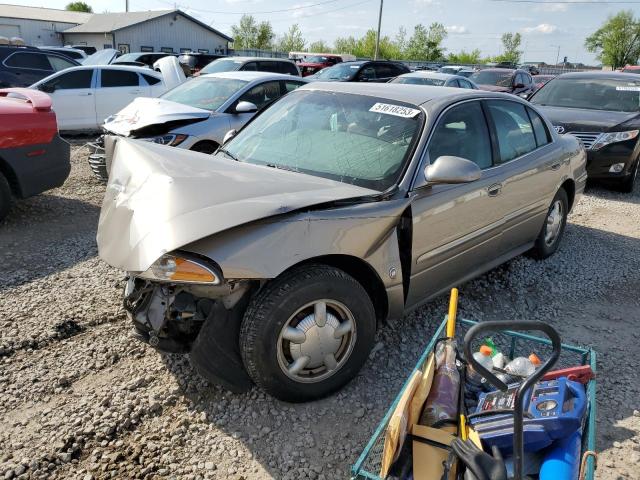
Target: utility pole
{"type": "Point", "coordinates": [126, 5]}
{"type": "Point", "coordinates": [375, 56]}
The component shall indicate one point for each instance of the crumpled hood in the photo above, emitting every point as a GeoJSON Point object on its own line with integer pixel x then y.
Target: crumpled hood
{"type": "Point", "coordinates": [160, 198]}
{"type": "Point", "coordinates": [143, 112]}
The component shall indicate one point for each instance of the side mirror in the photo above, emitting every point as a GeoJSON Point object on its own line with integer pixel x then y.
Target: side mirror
{"type": "Point", "coordinates": [229, 135]}
{"type": "Point", "coordinates": [246, 107]}
{"type": "Point", "coordinates": [524, 96]}
{"type": "Point", "coordinates": [449, 169]}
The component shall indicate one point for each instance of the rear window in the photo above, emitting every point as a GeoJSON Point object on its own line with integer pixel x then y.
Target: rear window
{"type": "Point", "coordinates": [37, 61]}
{"type": "Point", "coordinates": [222, 65]}
{"type": "Point", "coordinates": [436, 82]}
{"type": "Point", "coordinates": [498, 79]}
{"type": "Point", "coordinates": [591, 94]}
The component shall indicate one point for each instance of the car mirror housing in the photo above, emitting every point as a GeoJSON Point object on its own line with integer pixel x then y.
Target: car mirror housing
{"type": "Point", "coordinates": [450, 169]}
{"type": "Point", "coordinates": [229, 135]}
{"type": "Point", "coordinates": [246, 107]}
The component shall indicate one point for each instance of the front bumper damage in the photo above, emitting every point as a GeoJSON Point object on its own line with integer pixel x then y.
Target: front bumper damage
{"type": "Point", "coordinates": [203, 321]}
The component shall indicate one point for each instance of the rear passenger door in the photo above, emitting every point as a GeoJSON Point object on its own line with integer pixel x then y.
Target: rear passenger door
{"type": "Point", "coordinates": [117, 89]}
{"type": "Point", "coordinates": [73, 99]}
{"type": "Point", "coordinates": [527, 162]}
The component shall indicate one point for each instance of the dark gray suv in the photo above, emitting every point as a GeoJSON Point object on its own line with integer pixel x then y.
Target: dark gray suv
{"type": "Point", "coordinates": [24, 66]}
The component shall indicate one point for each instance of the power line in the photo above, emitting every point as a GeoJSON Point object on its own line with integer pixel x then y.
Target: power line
{"type": "Point", "coordinates": [300, 7]}
{"type": "Point", "coordinates": [570, 2]}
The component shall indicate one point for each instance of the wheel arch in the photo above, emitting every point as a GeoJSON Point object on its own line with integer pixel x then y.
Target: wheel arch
{"type": "Point", "coordinates": [214, 145]}
{"type": "Point", "coordinates": [569, 186]}
{"type": "Point", "coordinates": [11, 177]}
{"type": "Point", "coordinates": [362, 272]}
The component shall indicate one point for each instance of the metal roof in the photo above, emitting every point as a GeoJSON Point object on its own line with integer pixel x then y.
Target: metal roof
{"type": "Point", "coordinates": [39, 13]}
{"type": "Point", "coordinates": [415, 94]}
{"type": "Point", "coordinates": [111, 22]}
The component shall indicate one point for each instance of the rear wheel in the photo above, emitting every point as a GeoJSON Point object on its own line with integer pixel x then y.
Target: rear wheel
{"type": "Point", "coordinates": [552, 231]}
{"type": "Point", "coordinates": [5, 197]}
{"type": "Point", "coordinates": [307, 333]}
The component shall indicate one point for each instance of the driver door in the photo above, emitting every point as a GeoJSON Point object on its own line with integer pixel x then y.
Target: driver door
{"type": "Point", "coordinates": [456, 228]}
{"type": "Point", "coordinates": [73, 98]}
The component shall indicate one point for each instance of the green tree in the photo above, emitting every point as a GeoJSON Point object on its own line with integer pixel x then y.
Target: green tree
{"type": "Point", "coordinates": [250, 34]}
{"type": "Point", "coordinates": [345, 45]}
{"type": "Point", "coordinates": [401, 41]}
{"type": "Point", "coordinates": [265, 36]}
{"type": "Point", "coordinates": [511, 43]}
{"type": "Point", "coordinates": [292, 41]}
{"type": "Point", "coordinates": [426, 43]}
{"type": "Point", "coordinates": [617, 42]}
{"type": "Point", "coordinates": [319, 46]}
{"type": "Point", "coordinates": [472, 57]}
{"type": "Point", "coordinates": [79, 7]}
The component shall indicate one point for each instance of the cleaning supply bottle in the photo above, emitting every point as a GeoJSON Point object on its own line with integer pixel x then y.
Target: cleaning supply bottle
{"type": "Point", "coordinates": [520, 368]}
{"type": "Point", "coordinates": [474, 384]}
{"type": "Point", "coordinates": [496, 356]}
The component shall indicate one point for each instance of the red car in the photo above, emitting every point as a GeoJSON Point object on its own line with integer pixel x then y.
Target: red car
{"type": "Point", "coordinates": [33, 157]}
{"type": "Point", "coordinates": [315, 63]}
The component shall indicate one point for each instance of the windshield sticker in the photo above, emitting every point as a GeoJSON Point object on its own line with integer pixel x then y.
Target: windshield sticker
{"type": "Point", "coordinates": [397, 110]}
{"type": "Point", "coordinates": [629, 89]}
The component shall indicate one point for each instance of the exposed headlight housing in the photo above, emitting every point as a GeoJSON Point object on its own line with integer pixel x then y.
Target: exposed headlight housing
{"type": "Point", "coordinates": [171, 139]}
{"type": "Point", "coordinates": [614, 137]}
{"type": "Point", "coordinates": [176, 268]}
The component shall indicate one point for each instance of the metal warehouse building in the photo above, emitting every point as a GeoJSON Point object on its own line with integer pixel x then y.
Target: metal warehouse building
{"type": "Point", "coordinates": [150, 31]}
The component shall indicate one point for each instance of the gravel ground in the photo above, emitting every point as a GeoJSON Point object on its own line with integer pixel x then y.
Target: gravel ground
{"type": "Point", "coordinates": [80, 398]}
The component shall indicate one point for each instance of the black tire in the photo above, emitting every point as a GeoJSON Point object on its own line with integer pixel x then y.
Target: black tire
{"type": "Point", "coordinates": [272, 309]}
{"type": "Point", "coordinates": [626, 185]}
{"type": "Point", "coordinates": [543, 248]}
{"type": "Point", "coordinates": [205, 147]}
{"type": "Point", "coordinates": [6, 199]}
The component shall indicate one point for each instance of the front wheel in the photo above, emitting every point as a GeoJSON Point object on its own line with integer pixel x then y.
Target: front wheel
{"type": "Point", "coordinates": [5, 197]}
{"type": "Point", "coordinates": [626, 185]}
{"type": "Point", "coordinates": [307, 333]}
{"type": "Point", "coordinates": [552, 231]}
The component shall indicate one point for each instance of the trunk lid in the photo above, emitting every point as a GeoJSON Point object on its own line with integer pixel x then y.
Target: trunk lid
{"type": "Point", "coordinates": [159, 199]}
{"type": "Point", "coordinates": [171, 70]}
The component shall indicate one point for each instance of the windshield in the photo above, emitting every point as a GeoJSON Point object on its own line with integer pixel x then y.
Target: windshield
{"type": "Point", "coordinates": [317, 59]}
{"type": "Point", "coordinates": [631, 70]}
{"type": "Point", "coordinates": [498, 79]}
{"type": "Point", "coordinates": [436, 82]}
{"type": "Point", "coordinates": [204, 92]}
{"type": "Point", "coordinates": [451, 70]}
{"type": "Point", "coordinates": [128, 57]}
{"type": "Point", "coordinates": [339, 136]}
{"type": "Point", "coordinates": [222, 65]}
{"type": "Point", "coordinates": [591, 94]}
{"type": "Point", "coordinates": [342, 71]}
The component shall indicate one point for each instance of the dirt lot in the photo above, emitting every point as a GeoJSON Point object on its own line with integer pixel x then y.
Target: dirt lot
{"type": "Point", "coordinates": [79, 398]}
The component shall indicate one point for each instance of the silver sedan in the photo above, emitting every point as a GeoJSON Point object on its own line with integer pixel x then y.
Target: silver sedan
{"type": "Point", "coordinates": [341, 206]}
{"type": "Point", "coordinates": [435, 79]}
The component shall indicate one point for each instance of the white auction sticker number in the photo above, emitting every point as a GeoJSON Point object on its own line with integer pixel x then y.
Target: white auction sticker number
{"type": "Point", "coordinates": [397, 110]}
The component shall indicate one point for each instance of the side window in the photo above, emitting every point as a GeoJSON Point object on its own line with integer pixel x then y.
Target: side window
{"type": "Point", "coordinates": [462, 132]}
{"type": "Point", "coordinates": [59, 63]}
{"type": "Point", "coordinates": [262, 95]}
{"type": "Point", "coordinates": [384, 71]}
{"type": "Point", "coordinates": [464, 84]}
{"type": "Point", "coordinates": [35, 61]}
{"type": "Point", "coordinates": [290, 68]}
{"type": "Point", "coordinates": [520, 79]}
{"type": "Point", "coordinates": [150, 80]}
{"type": "Point", "coordinates": [367, 72]}
{"type": "Point", "coordinates": [290, 86]}
{"type": "Point", "coordinates": [454, 83]}
{"type": "Point", "coordinates": [539, 128]}
{"type": "Point", "coordinates": [273, 67]}
{"type": "Point", "coordinates": [513, 128]}
{"type": "Point", "coordinates": [250, 66]}
{"type": "Point", "coordinates": [119, 78]}
{"type": "Point", "coordinates": [70, 80]}
{"type": "Point", "coordinates": [397, 70]}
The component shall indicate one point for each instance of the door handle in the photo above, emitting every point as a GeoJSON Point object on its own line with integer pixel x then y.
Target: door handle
{"type": "Point", "coordinates": [495, 189]}
{"type": "Point", "coordinates": [555, 166]}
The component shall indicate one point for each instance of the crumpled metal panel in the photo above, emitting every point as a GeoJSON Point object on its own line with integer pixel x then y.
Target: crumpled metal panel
{"type": "Point", "coordinates": [160, 198]}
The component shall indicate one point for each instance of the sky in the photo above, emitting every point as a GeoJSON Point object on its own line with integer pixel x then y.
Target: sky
{"type": "Point", "coordinates": [549, 29]}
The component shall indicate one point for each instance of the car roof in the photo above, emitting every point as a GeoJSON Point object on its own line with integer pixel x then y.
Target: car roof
{"type": "Point", "coordinates": [430, 74]}
{"type": "Point", "coordinates": [251, 59]}
{"type": "Point", "coordinates": [511, 70]}
{"type": "Point", "coordinates": [130, 68]}
{"type": "Point", "coordinates": [251, 76]}
{"type": "Point", "coordinates": [599, 74]}
{"type": "Point", "coordinates": [400, 92]}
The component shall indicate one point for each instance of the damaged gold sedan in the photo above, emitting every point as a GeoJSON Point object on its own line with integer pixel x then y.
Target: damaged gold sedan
{"type": "Point", "coordinates": [341, 206]}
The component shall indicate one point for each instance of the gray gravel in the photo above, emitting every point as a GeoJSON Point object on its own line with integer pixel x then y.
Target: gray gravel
{"type": "Point", "coordinates": [80, 398]}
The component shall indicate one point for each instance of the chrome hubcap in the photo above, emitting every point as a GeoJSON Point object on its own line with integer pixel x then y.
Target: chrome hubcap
{"type": "Point", "coordinates": [554, 223]}
{"type": "Point", "coordinates": [316, 341]}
